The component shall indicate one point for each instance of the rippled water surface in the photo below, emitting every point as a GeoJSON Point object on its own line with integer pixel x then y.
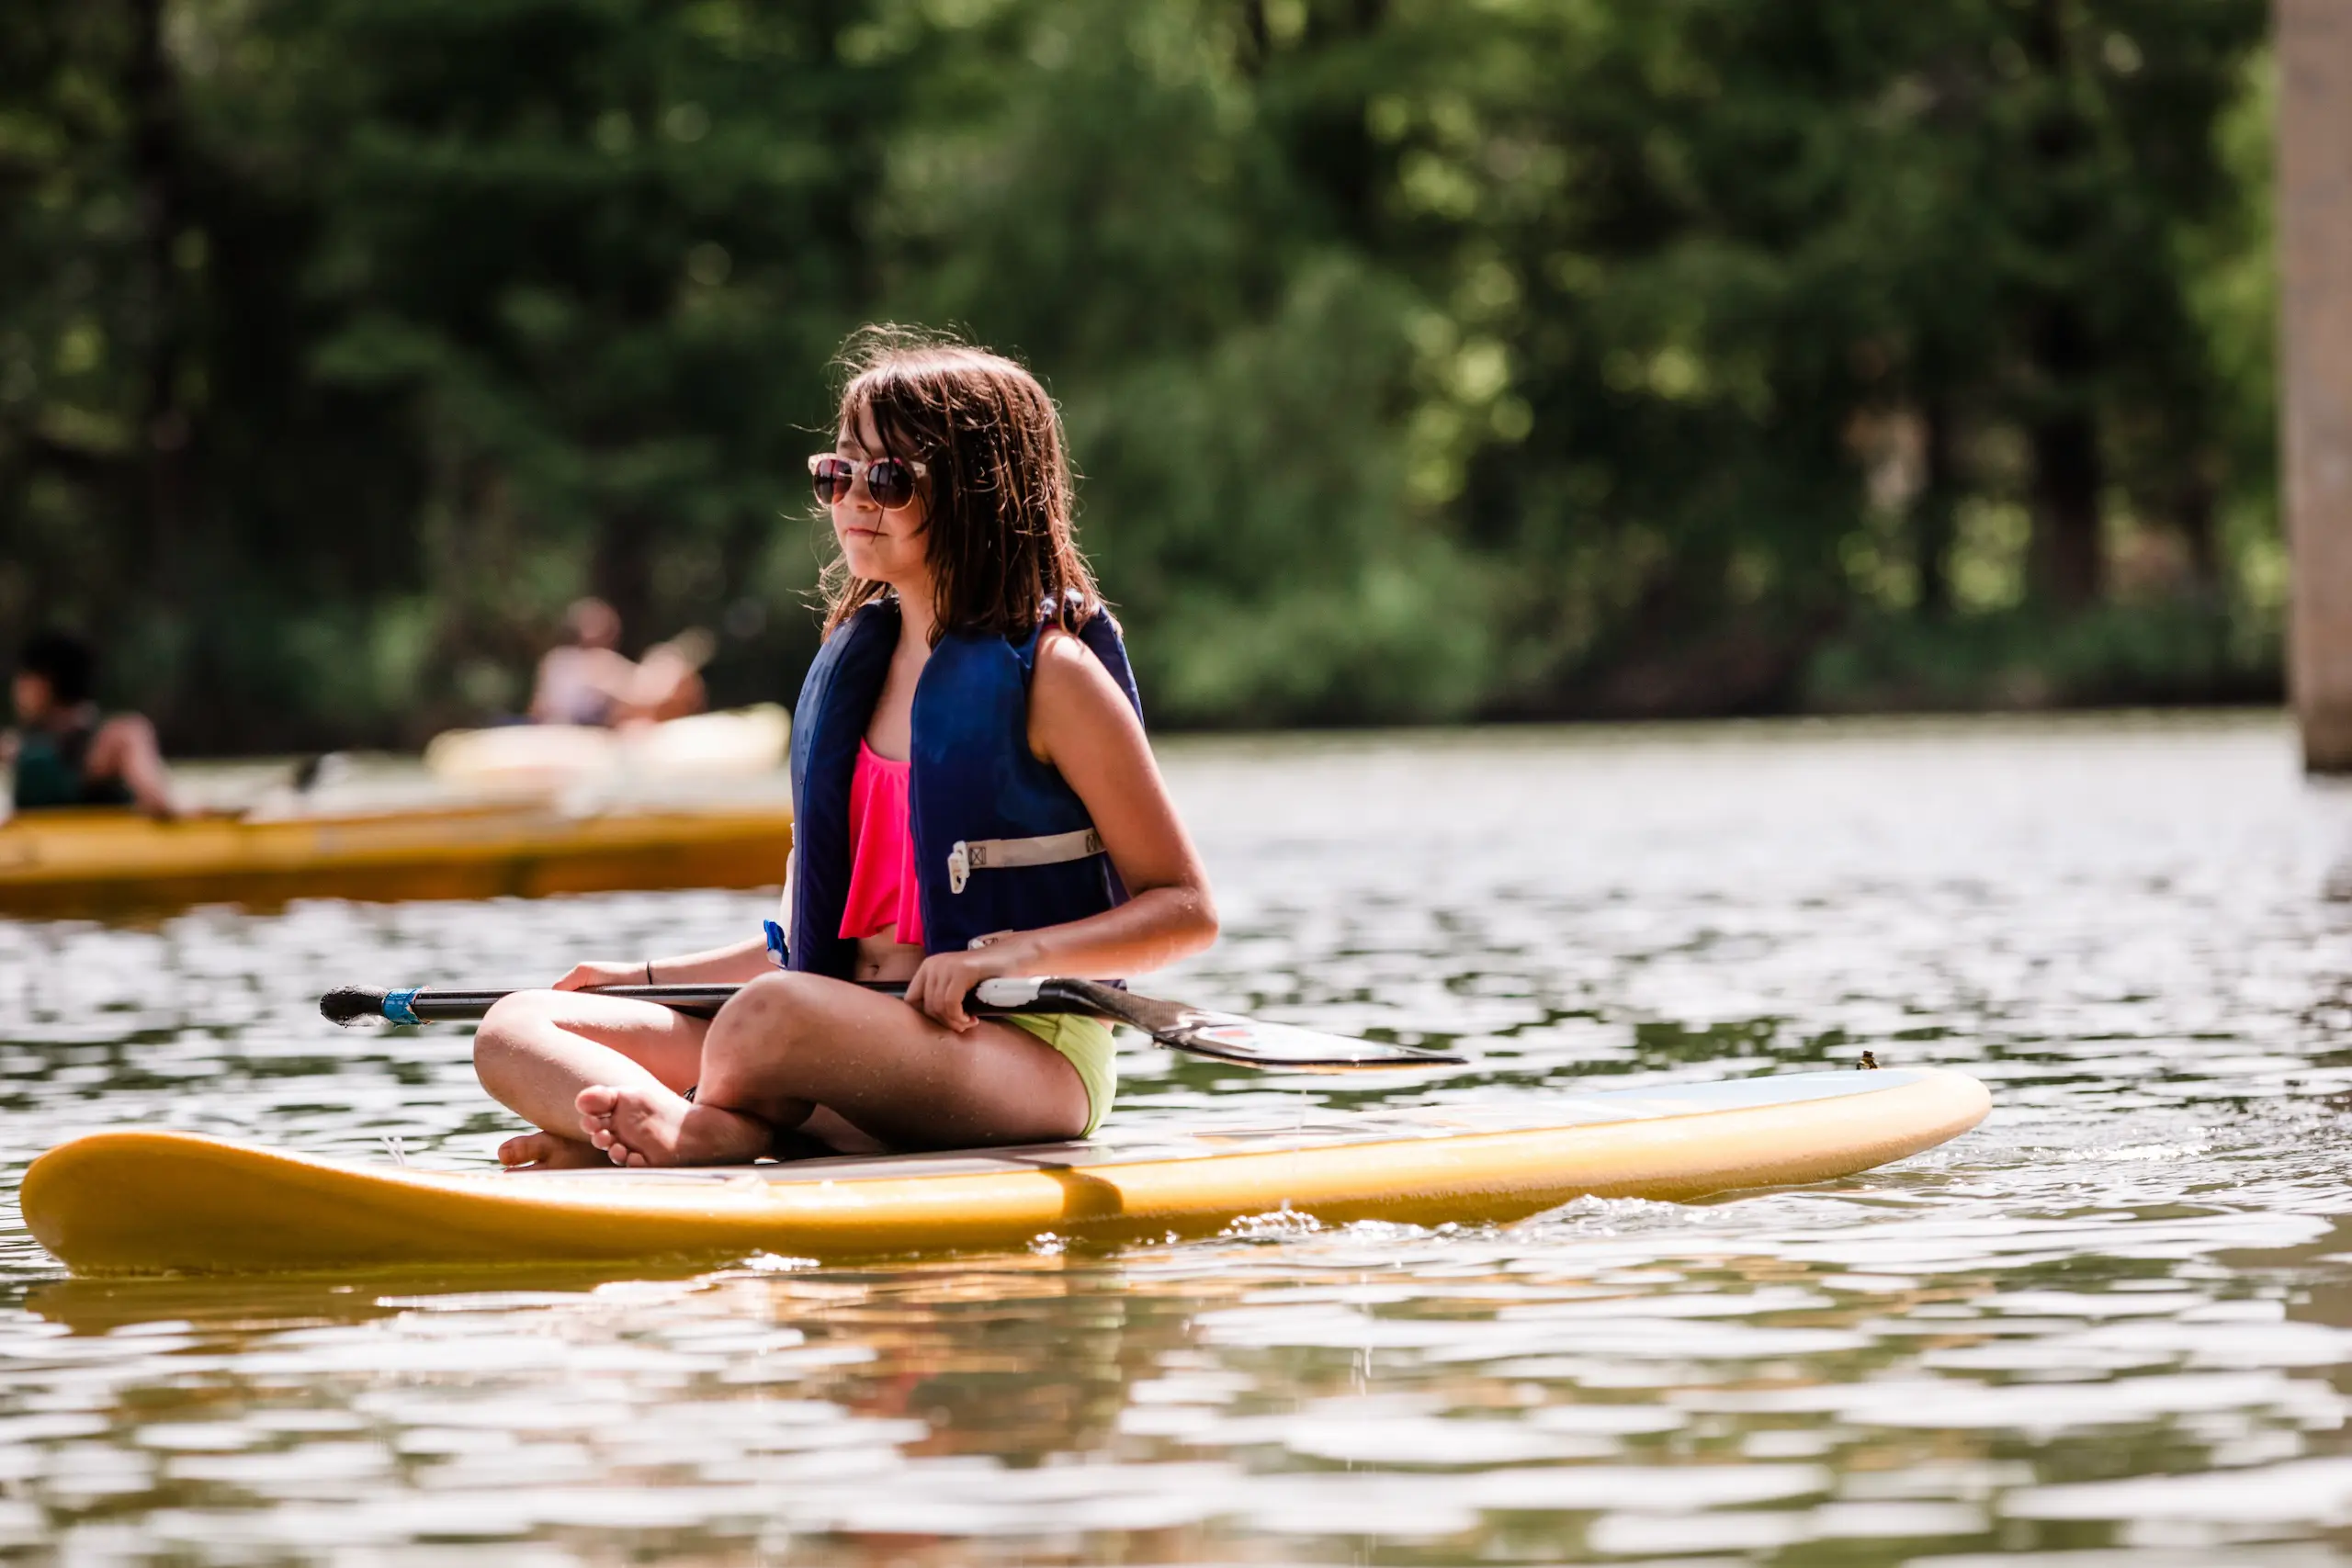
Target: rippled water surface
{"type": "Point", "coordinates": [2111, 1327]}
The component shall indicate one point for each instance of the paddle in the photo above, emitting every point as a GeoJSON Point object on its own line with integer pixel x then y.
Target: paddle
{"type": "Point", "coordinates": [1221, 1036]}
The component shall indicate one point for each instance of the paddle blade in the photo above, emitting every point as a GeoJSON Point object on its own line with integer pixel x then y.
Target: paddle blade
{"type": "Point", "coordinates": [1228, 1037]}
{"type": "Point", "coordinates": [1247, 1041]}
{"type": "Point", "coordinates": [347, 1005]}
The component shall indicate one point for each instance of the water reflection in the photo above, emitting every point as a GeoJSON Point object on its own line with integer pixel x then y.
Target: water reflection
{"type": "Point", "coordinates": [2109, 1327]}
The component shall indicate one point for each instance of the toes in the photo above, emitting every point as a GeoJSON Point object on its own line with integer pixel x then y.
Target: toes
{"type": "Point", "coordinates": [595, 1105]}
{"type": "Point", "coordinates": [528, 1149]}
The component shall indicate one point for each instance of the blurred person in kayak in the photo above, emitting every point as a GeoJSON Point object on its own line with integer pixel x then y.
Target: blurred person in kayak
{"type": "Point", "coordinates": [974, 796]}
{"type": "Point", "coordinates": [587, 680]}
{"type": "Point", "coordinates": [63, 751]}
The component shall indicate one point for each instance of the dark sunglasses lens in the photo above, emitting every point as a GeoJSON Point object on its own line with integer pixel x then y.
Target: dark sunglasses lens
{"type": "Point", "coordinates": [890, 482]}
{"type": "Point", "coordinates": [830, 479]}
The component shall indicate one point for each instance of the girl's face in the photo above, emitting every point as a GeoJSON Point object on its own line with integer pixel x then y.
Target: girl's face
{"type": "Point", "coordinates": [880, 546]}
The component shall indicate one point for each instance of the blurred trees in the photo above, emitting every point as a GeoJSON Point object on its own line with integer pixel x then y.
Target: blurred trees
{"type": "Point", "coordinates": [1423, 359]}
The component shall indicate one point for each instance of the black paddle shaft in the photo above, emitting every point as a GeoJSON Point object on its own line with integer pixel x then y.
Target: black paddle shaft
{"type": "Point", "coordinates": [1220, 1036]}
{"type": "Point", "coordinates": [353, 1004]}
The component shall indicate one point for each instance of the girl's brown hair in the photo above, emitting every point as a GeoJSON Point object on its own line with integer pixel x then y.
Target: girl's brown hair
{"type": "Point", "coordinates": [998, 497]}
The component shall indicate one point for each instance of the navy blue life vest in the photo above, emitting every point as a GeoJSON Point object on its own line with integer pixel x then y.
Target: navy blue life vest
{"type": "Point", "coordinates": [973, 778]}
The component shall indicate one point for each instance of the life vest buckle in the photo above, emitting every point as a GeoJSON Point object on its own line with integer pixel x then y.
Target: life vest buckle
{"type": "Point", "coordinates": [1050, 849]}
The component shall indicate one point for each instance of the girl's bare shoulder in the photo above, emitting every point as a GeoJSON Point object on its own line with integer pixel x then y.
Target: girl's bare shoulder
{"type": "Point", "coordinates": [1070, 678]}
{"type": "Point", "coordinates": [1062, 649]}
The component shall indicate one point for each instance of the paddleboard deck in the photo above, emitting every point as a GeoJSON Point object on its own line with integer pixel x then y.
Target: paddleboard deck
{"type": "Point", "coordinates": [142, 1201]}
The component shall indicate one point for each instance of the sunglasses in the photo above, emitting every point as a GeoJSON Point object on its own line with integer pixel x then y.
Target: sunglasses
{"type": "Point", "coordinates": [889, 480]}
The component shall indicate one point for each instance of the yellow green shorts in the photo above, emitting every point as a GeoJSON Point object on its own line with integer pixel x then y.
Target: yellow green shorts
{"type": "Point", "coordinates": [1087, 1043]}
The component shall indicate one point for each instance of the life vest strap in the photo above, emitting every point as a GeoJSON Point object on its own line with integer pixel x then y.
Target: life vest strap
{"type": "Point", "coordinates": [990, 854]}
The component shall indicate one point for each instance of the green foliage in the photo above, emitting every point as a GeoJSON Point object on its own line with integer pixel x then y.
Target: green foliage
{"type": "Point", "coordinates": [2120, 654]}
{"type": "Point", "coordinates": [1423, 359]}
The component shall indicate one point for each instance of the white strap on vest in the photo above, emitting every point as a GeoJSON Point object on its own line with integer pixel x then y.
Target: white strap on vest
{"type": "Point", "coordinates": [989, 854]}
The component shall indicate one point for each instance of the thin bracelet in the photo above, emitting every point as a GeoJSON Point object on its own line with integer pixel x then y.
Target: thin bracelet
{"type": "Point", "coordinates": [648, 971]}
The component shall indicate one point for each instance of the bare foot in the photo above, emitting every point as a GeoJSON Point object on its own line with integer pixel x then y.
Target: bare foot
{"type": "Point", "coordinates": [545, 1151]}
{"type": "Point", "coordinates": [652, 1126]}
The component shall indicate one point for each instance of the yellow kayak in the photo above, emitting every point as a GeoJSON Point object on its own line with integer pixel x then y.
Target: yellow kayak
{"type": "Point", "coordinates": [96, 861]}
{"type": "Point", "coordinates": [157, 1202]}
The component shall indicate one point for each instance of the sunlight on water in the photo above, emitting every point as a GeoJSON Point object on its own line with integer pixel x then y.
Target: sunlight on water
{"type": "Point", "coordinates": [2110, 1327]}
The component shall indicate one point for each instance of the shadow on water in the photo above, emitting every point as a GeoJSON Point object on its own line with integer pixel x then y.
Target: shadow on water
{"type": "Point", "coordinates": [2314, 1278]}
{"type": "Point", "coordinates": [269, 1303]}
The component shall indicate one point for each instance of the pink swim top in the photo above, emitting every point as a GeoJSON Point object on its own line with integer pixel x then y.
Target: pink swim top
{"type": "Point", "coordinates": [882, 886]}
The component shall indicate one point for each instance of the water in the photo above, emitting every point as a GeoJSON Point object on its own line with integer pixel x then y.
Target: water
{"type": "Point", "coordinates": [2111, 1326]}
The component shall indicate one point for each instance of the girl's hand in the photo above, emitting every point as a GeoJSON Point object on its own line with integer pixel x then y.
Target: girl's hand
{"type": "Point", "coordinates": [603, 972]}
{"type": "Point", "coordinates": [940, 985]}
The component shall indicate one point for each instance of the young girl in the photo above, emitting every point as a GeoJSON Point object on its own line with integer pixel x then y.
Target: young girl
{"type": "Point", "coordinates": [973, 797]}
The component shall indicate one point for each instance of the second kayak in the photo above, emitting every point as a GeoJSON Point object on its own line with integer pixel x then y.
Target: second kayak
{"type": "Point", "coordinates": [101, 861]}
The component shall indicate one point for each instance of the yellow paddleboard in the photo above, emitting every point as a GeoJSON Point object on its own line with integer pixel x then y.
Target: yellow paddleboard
{"type": "Point", "coordinates": [152, 1202]}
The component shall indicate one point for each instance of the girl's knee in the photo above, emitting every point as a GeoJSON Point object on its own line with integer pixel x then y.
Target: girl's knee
{"type": "Point", "coordinates": [764, 1025]}
{"type": "Point", "coordinates": [774, 1006]}
{"type": "Point", "coordinates": [511, 1020]}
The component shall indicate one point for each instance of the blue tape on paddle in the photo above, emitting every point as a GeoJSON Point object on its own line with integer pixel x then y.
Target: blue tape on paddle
{"type": "Point", "coordinates": [778, 953]}
{"type": "Point", "coordinates": [396, 1007]}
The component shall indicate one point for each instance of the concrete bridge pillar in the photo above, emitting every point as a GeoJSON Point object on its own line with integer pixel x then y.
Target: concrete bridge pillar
{"type": "Point", "coordinates": [2314, 50]}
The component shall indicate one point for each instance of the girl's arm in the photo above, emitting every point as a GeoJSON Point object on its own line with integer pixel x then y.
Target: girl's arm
{"type": "Point", "coordinates": [1080, 721]}
{"type": "Point", "coordinates": [731, 965]}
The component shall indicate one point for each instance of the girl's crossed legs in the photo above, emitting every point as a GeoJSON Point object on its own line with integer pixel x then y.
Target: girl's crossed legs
{"type": "Point", "coordinates": [792, 1061]}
